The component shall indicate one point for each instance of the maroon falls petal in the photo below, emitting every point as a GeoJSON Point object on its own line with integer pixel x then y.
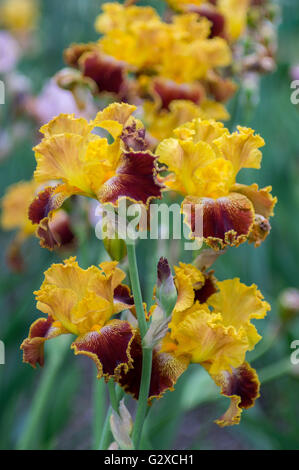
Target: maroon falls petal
{"type": "Point", "coordinates": [166, 369]}
{"type": "Point", "coordinates": [109, 347]}
{"type": "Point", "coordinates": [135, 179]}
{"type": "Point", "coordinates": [33, 346]}
{"type": "Point", "coordinates": [242, 386]}
{"type": "Point", "coordinates": [225, 221]}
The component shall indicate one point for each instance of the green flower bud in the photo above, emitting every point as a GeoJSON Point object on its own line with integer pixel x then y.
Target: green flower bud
{"type": "Point", "coordinates": [166, 292]}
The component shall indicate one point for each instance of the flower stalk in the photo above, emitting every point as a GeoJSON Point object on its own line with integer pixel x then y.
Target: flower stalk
{"type": "Point", "coordinates": [146, 353]}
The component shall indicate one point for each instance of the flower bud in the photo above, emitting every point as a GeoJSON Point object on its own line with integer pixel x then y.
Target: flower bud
{"type": "Point", "coordinates": [121, 425]}
{"type": "Point", "coordinates": [157, 330]}
{"type": "Point", "coordinates": [166, 292]}
{"type": "Point", "coordinates": [115, 247]}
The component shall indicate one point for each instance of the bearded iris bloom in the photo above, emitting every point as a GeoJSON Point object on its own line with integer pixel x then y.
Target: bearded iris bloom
{"type": "Point", "coordinates": [173, 67]}
{"type": "Point", "coordinates": [203, 160]}
{"type": "Point", "coordinates": [83, 303]}
{"type": "Point", "coordinates": [88, 165]}
{"type": "Point", "coordinates": [211, 326]}
{"type": "Point", "coordinates": [181, 51]}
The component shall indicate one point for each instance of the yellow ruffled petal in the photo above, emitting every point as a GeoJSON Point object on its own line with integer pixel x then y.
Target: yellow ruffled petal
{"type": "Point", "coordinates": [201, 130]}
{"type": "Point", "coordinates": [80, 299]}
{"type": "Point", "coordinates": [238, 305]}
{"type": "Point", "coordinates": [262, 199]}
{"type": "Point", "coordinates": [60, 157]}
{"type": "Point", "coordinates": [114, 117]}
{"type": "Point", "coordinates": [207, 341]}
{"type": "Point", "coordinates": [66, 123]}
{"type": "Point", "coordinates": [242, 148]}
{"type": "Point", "coordinates": [196, 168]}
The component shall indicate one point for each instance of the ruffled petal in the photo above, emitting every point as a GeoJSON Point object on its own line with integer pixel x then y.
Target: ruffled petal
{"type": "Point", "coordinates": [262, 199]}
{"type": "Point", "coordinates": [202, 336]}
{"type": "Point", "coordinates": [238, 305]}
{"type": "Point", "coordinates": [66, 123]}
{"type": "Point", "coordinates": [82, 299]}
{"type": "Point", "coordinates": [114, 117]}
{"type": "Point", "coordinates": [40, 331]}
{"type": "Point", "coordinates": [166, 369]}
{"type": "Point", "coordinates": [60, 157]}
{"type": "Point", "coordinates": [109, 347]}
{"type": "Point", "coordinates": [225, 221]}
{"type": "Point", "coordinates": [242, 148]}
{"type": "Point", "coordinates": [135, 179]}
{"type": "Point", "coordinates": [242, 387]}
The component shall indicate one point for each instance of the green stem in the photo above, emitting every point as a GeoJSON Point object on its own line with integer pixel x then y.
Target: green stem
{"type": "Point", "coordinates": [106, 434]}
{"type": "Point", "coordinates": [112, 395]}
{"type": "Point", "coordinates": [136, 287]}
{"type": "Point", "coordinates": [59, 347]}
{"type": "Point", "coordinates": [99, 410]}
{"type": "Point", "coordinates": [146, 353]}
{"type": "Point", "coordinates": [106, 437]}
{"type": "Point", "coordinates": [143, 396]}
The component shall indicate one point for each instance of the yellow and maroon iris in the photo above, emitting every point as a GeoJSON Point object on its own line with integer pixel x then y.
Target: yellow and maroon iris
{"type": "Point", "coordinates": [211, 326]}
{"type": "Point", "coordinates": [93, 166]}
{"type": "Point", "coordinates": [84, 303]}
{"type": "Point", "coordinates": [203, 160]}
{"type": "Point", "coordinates": [180, 50]}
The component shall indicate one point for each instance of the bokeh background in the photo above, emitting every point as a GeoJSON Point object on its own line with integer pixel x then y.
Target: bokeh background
{"type": "Point", "coordinates": [61, 404]}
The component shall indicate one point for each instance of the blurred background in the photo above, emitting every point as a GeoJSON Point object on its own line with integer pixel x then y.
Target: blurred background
{"type": "Point", "coordinates": [58, 407]}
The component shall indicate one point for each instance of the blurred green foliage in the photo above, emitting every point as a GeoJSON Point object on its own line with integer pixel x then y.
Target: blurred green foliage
{"type": "Point", "coordinates": [183, 419]}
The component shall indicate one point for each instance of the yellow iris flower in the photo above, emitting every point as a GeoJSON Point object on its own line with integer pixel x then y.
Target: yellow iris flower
{"type": "Point", "coordinates": [181, 50]}
{"type": "Point", "coordinates": [104, 168]}
{"type": "Point", "coordinates": [83, 302]}
{"type": "Point", "coordinates": [203, 160]}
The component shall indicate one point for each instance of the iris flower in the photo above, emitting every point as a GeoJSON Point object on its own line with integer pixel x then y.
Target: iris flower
{"type": "Point", "coordinates": [83, 303]}
{"type": "Point", "coordinates": [93, 166]}
{"type": "Point", "coordinates": [211, 326]}
{"type": "Point", "coordinates": [204, 160]}
{"type": "Point", "coordinates": [180, 50]}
